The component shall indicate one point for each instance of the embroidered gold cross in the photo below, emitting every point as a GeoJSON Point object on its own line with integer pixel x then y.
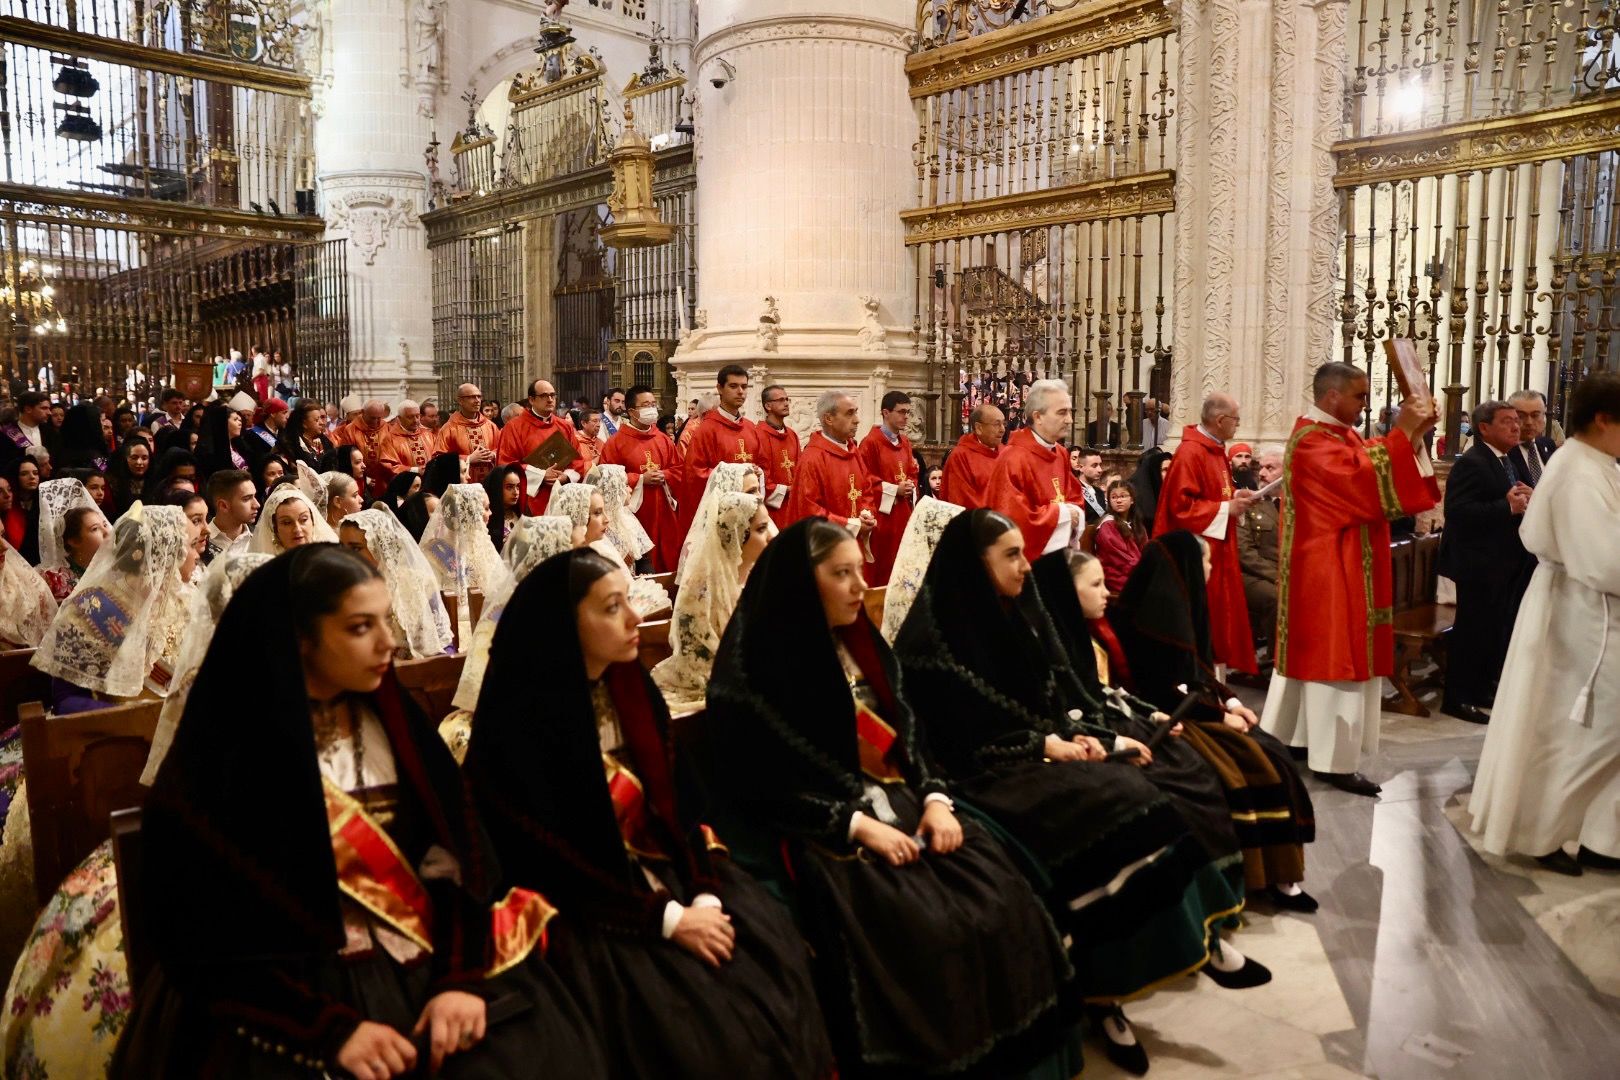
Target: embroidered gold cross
{"type": "Point", "coordinates": [742, 452]}
{"type": "Point", "coordinates": [1057, 491]}
{"type": "Point", "coordinates": [787, 464]}
{"type": "Point", "coordinates": [651, 464]}
{"type": "Point", "coordinates": [854, 497]}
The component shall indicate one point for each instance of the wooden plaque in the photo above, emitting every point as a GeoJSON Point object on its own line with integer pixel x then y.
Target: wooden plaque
{"type": "Point", "coordinates": [194, 380]}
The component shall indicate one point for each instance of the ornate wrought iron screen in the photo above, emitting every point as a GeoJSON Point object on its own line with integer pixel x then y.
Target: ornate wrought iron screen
{"type": "Point", "coordinates": [1045, 197]}
{"type": "Point", "coordinates": [320, 282]}
{"type": "Point", "coordinates": [1479, 203]}
{"type": "Point", "coordinates": [478, 314]}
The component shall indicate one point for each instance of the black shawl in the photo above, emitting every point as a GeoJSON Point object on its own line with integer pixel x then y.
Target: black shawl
{"type": "Point", "coordinates": [1162, 619]}
{"type": "Point", "coordinates": [1146, 482]}
{"type": "Point", "coordinates": [394, 495]}
{"type": "Point", "coordinates": [538, 776]}
{"type": "Point", "coordinates": [987, 675]}
{"type": "Point", "coordinates": [238, 888]}
{"type": "Point", "coordinates": [497, 510]}
{"type": "Point", "coordinates": [82, 444]}
{"type": "Point", "coordinates": [442, 470]}
{"type": "Point", "coordinates": [780, 727]}
{"type": "Point", "coordinates": [214, 447]}
{"type": "Point", "coordinates": [159, 472]}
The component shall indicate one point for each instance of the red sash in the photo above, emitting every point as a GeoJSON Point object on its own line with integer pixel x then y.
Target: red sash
{"type": "Point", "coordinates": [876, 739]}
{"type": "Point", "coordinates": [630, 808]}
{"type": "Point", "coordinates": [375, 874]}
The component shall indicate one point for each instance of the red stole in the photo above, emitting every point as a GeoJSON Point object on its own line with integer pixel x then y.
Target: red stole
{"type": "Point", "coordinates": [1119, 672]}
{"type": "Point", "coordinates": [886, 463]}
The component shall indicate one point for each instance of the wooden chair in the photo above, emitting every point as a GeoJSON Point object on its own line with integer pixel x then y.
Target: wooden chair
{"type": "Point", "coordinates": [431, 682]}
{"type": "Point", "coordinates": [126, 845]}
{"type": "Point", "coordinates": [1088, 539]}
{"type": "Point", "coordinates": [874, 600]}
{"type": "Point", "coordinates": [655, 643]}
{"type": "Point", "coordinates": [1420, 624]}
{"type": "Point", "coordinates": [80, 768]}
{"type": "Point", "coordinates": [19, 682]}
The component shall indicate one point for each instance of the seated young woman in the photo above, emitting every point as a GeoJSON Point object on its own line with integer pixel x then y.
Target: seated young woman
{"type": "Point", "coordinates": [986, 676]}
{"type": "Point", "coordinates": [624, 529]}
{"type": "Point", "coordinates": [683, 964]}
{"type": "Point", "coordinates": [504, 487]}
{"type": "Point", "coordinates": [26, 604]}
{"type": "Point", "coordinates": [344, 496]}
{"type": "Point", "coordinates": [456, 543]}
{"type": "Point", "coordinates": [1120, 536]}
{"type": "Point", "coordinates": [289, 519]}
{"type": "Point", "coordinates": [586, 508]}
{"type": "Point", "coordinates": [315, 885]}
{"type": "Point", "coordinates": [736, 533]}
{"type": "Point", "coordinates": [416, 613]}
{"type": "Point", "coordinates": [72, 529]}
{"type": "Point", "coordinates": [1161, 621]}
{"type": "Point", "coordinates": [933, 956]}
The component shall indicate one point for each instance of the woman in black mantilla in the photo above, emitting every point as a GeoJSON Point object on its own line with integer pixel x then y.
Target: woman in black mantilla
{"type": "Point", "coordinates": [314, 891]}
{"type": "Point", "coordinates": [1162, 623]}
{"type": "Point", "coordinates": [933, 956]}
{"type": "Point", "coordinates": [685, 966]}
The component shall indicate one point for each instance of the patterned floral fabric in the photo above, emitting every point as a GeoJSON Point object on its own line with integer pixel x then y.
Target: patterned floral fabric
{"type": "Point", "coordinates": [69, 996]}
{"type": "Point", "coordinates": [10, 769]}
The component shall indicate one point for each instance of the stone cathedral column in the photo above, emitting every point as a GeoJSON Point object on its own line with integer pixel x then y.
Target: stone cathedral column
{"type": "Point", "coordinates": [804, 163]}
{"type": "Point", "coordinates": [1259, 99]}
{"type": "Point", "coordinates": [386, 60]}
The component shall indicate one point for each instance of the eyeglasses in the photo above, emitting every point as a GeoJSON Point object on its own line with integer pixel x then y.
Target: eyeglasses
{"type": "Point", "coordinates": [542, 397]}
{"type": "Point", "coordinates": [471, 397]}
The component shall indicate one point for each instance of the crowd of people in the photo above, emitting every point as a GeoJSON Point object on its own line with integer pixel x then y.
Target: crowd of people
{"type": "Point", "coordinates": [948, 842]}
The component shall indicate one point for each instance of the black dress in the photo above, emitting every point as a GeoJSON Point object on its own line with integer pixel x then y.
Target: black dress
{"type": "Point", "coordinates": [1162, 623]}
{"type": "Point", "coordinates": [254, 855]}
{"type": "Point", "coordinates": [1119, 867]}
{"type": "Point", "coordinates": [587, 804]}
{"type": "Point", "coordinates": [946, 966]}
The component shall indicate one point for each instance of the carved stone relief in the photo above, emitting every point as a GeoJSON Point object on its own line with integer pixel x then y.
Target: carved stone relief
{"type": "Point", "coordinates": [370, 218]}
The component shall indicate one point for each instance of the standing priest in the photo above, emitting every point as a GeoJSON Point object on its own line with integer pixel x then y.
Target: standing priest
{"type": "Point", "coordinates": [1198, 496]}
{"type": "Point", "coordinates": [654, 472]}
{"type": "Point", "coordinates": [830, 481]}
{"type": "Point", "coordinates": [1334, 635]}
{"type": "Point", "coordinates": [1031, 482]}
{"type": "Point", "coordinates": [722, 435]}
{"type": "Point", "coordinates": [966, 477]}
{"type": "Point", "coordinates": [891, 482]}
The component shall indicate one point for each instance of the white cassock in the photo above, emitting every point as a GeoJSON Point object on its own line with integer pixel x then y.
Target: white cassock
{"type": "Point", "coordinates": [1550, 772]}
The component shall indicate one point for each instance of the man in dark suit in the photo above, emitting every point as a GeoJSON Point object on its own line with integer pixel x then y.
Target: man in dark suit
{"type": "Point", "coordinates": [1534, 448]}
{"type": "Point", "coordinates": [1486, 497]}
{"type": "Point", "coordinates": [1103, 432]}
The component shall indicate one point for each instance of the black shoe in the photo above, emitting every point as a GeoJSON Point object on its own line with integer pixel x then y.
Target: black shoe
{"type": "Point", "coordinates": [1593, 861]}
{"type": "Point", "coordinates": [1465, 712]}
{"type": "Point", "coordinates": [1299, 753]}
{"type": "Point", "coordinates": [1559, 862]}
{"type": "Point", "coordinates": [1353, 782]}
{"type": "Point", "coordinates": [1252, 973]}
{"type": "Point", "coordinates": [1111, 1024]}
{"type": "Point", "coordinates": [1301, 901]}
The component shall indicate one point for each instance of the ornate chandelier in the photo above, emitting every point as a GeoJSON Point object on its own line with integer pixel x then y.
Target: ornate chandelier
{"type": "Point", "coordinates": [28, 297]}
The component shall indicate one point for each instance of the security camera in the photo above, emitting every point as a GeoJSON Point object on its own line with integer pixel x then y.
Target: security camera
{"type": "Point", "coordinates": [722, 77]}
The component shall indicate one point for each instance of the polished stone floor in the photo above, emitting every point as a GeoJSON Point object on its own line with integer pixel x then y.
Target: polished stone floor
{"type": "Point", "coordinates": [1427, 959]}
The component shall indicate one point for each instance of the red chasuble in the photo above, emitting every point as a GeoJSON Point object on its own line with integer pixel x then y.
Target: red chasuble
{"type": "Point", "coordinates": [405, 450]}
{"type": "Point", "coordinates": [1199, 481]}
{"type": "Point", "coordinates": [458, 435]}
{"type": "Point", "coordinates": [1340, 493]}
{"type": "Point", "coordinates": [886, 463]}
{"type": "Point", "coordinates": [966, 479]}
{"type": "Point", "coordinates": [1033, 485]}
{"type": "Point", "coordinates": [719, 438]}
{"type": "Point", "coordinates": [635, 450]}
{"type": "Point", "coordinates": [830, 483]}
{"type": "Point", "coordinates": [521, 436]}
{"type": "Point", "coordinates": [781, 454]}
{"type": "Point", "coordinates": [371, 443]}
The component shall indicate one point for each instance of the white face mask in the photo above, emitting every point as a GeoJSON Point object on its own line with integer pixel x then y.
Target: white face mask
{"type": "Point", "coordinates": [647, 417]}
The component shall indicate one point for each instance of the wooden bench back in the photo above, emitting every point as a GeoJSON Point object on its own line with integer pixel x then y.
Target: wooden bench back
{"type": "Point", "coordinates": [1425, 569]}
{"type": "Point", "coordinates": [655, 645]}
{"type": "Point", "coordinates": [19, 682]}
{"type": "Point", "coordinates": [1401, 560]}
{"type": "Point", "coordinates": [79, 769]}
{"type": "Point", "coordinates": [125, 826]}
{"type": "Point", "coordinates": [1088, 539]}
{"type": "Point", "coordinates": [431, 682]}
{"type": "Point", "coordinates": [874, 600]}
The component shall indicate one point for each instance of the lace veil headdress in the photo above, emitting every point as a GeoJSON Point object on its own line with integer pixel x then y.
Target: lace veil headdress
{"type": "Point", "coordinates": [726, 477]}
{"type": "Point", "coordinates": [56, 498]}
{"type": "Point", "coordinates": [413, 587]}
{"type": "Point", "coordinates": [456, 543]}
{"type": "Point", "coordinates": [623, 528]}
{"type": "Point", "coordinates": [129, 612]}
{"type": "Point", "coordinates": [26, 604]}
{"type": "Point", "coordinates": [207, 602]}
{"type": "Point", "coordinates": [264, 532]}
{"type": "Point", "coordinates": [572, 501]}
{"type": "Point", "coordinates": [533, 541]}
{"type": "Point", "coordinates": [310, 483]}
{"type": "Point", "coordinates": [928, 520]}
{"type": "Point", "coordinates": [704, 603]}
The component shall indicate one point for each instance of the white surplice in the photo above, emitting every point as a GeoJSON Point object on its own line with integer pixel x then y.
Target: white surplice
{"type": "Point", "coordinates": [1550, 772]}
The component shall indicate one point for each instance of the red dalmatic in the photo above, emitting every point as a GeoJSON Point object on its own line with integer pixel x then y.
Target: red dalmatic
{"type": "Point", "coordinates": [966, 477]}
{"type": "Point", "coordinates": [637, 450]}
{"type": "Point", "coordinates": [1194, 491]}
{"type": "Point", "coordinates": [719, 438]}
{"type": "Point", "coordinates": [1032, 485]}
{"type": "Point", "coordinates": [886, 463]}
{"type": "Point", "coordinates": [830, 483]}
{"type": "Point", "coordinates": [781, 454]}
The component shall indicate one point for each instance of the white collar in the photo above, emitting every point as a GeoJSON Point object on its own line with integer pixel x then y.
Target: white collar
{"type": "Point", "coordinates": [1211, 435]}
{"type": "Point", "coordinates": [893, 437]}
{"type": "Point", "coordinates": [1499, 454]}
{"type": "Point", "coordinates": [1316, 414]}
{"type": "Point", "coordinates": [843, 445]}
{"type": "Point", "coordinates": [215, 531]}
{"type": "Point", "coordinates": [737, 419]}
{"type": "Point", "coordinates": [1043, 442]}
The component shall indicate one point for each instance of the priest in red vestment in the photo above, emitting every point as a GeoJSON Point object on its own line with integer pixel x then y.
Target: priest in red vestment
{"type": "Point", "coordinates": [525, 432]}
{"type": "Point", "coordinates": [969, 465]}
{"type": "Point", "coordinates": [368, 432]}
{"type": "Point", "coordinates": [722, 436]}
{"type": "Point", "coordinates": [1031, 482]}
{"type": "Point", "coordinates": [1334, 635]}
{"type": "Point", "coordinates": [830, 481]}
{"type": "Point", "coordinates": [407, 444]}
{"type": "Point", "coordinates": [654, 472]}
{"type": "Point", "coordinates": [891, 482]}
{"type": "Point", "coordinates": [470, 434]}
{"type": "Point", "coordinates": [780, 447]}
{"type": "Point", "coordinates": [1197, 495]}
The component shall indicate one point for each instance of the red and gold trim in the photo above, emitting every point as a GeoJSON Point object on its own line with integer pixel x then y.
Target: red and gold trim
{"type": "Point", "coordinates": [630, 807]}
{"type": "Point", "coordinates": [373, 872]}
{"type": "Point", "coordinates": [876, 739]}
{"type": "Point", "coordinates": [517, 926]}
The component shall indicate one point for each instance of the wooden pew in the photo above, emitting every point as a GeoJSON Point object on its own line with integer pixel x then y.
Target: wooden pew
{"type": "Point", "coordinates": [655, 643]}
{"type": "Point", "coordinates": [431, 682]}
{"type": "Point", "coordinates": [79, 768]}
{"type": "Point", "coordinates": [126, 845]}
{"type": "Point", "coordinates": [19, 682]}
{"type": "Point", "coordinates": [1420, 623]}
{"type": "Point", "coordinates": [874, 601]}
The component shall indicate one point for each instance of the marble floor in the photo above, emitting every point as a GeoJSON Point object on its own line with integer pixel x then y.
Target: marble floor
{"type": "Point", "coordinates": [1427, 959]}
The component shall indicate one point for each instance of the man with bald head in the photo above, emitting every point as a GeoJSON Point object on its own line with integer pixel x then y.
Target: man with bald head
{"type": "Point", "coordinates": [526, 432]}
{"type": "Point", "coordinates": [367, 432]}
{"type": "Point", "coordinates": [470, 434]}
{"type": "Point", "coordinates": [966, 478]}
{"type": "Point", "coordinates": [407, 444]}
{"type": "Point", "coordinates": [1198, 495]}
